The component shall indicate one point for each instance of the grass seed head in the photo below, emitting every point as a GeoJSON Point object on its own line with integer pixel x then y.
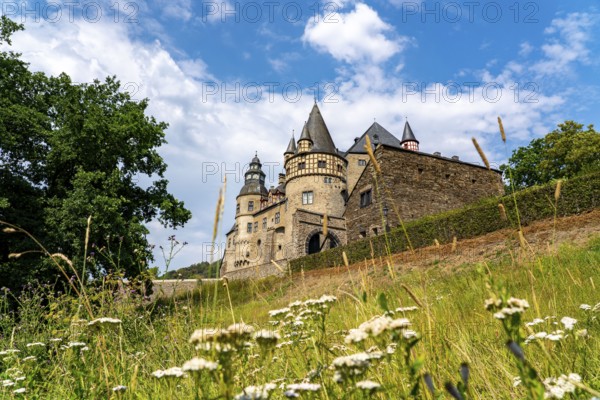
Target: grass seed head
{"type": "Point", "coordinates": [481, 153]}
{"type": "Point", "coordinates": [501, 130]}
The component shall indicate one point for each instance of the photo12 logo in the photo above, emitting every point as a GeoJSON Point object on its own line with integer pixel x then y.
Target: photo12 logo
{"type": "Point", "coordinates": [253, 92]}
{"type": "Point", "coordinates": [54, 12]}
{"type": "Point", "coordinates": [469, 11]}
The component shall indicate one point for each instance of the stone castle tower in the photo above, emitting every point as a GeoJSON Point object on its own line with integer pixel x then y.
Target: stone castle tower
{"type": "Point", "coordinates": [321, 183]}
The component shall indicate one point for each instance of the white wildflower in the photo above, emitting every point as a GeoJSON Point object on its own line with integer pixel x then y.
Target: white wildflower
{"type": "Point", "coordinates": [568, 322]}
{"type": "Point", "coordinates": [555, 336]}
{"type": "Point", "coordinates": [275, 313]}
{"type": "Point", "coordinates": [20, 391]}
{"type": "Point", "coordinates": [585, 307]}
{"type": "Point", "coordinates": [7, 383]}
{"type": "Point", "coordinates": [119, 388]}
{"type": "Point", "coordinates": [173, 372]}
{"type": "Point", "coordinates": [198, 364]}
{"type": "Point", "coordinates": [304, 387]}
{"type": "Point", "coordinates": [36, 344]}
{"type": "Point", "coordinates": [409, 334]}
{"type": "Point", "coordinates": [104, 322]}
{"type": "Point", "coordinates": [356, 336]}
{"type": "Point", "coordinates": [516, 381]}
{"type": "Point", "coordinates": [556, 388]}
{"type": "Point", "coordinates": [367, 385]}
{"type": "Point", "coordinates": [30, 358]}
{"type": "Point", "coordinates": [535, 322]}
{"type": "Point", "coordinates": [406, 309]}
{"type": "Point", "coordinates": [256, 392]}
{"type": "Point", "coordinates": [375, 326]}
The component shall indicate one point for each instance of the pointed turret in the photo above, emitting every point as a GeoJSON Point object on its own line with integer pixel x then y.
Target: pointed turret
{"type": "Point", "coordinates": [319, 133]}
{"type": "Point", "coordinates": [291, 149]}
{"type": "Point", "coordinates": [409, 141]}
{"type": "Point", "coordinates": [305, 143]}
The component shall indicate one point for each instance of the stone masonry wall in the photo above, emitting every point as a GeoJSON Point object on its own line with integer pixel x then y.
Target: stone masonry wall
{"type": "Point", "coordinates": [417, 184]}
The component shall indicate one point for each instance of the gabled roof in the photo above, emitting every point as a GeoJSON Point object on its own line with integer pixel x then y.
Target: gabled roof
{"type": "Point", "coordinates": [408, 134]}
{"type": "Point", "coordinates": [291, 146]}
{"type": "Point", "coordinates": [383, 137]}
{"type": "Point", "coordinates": [319, 133]}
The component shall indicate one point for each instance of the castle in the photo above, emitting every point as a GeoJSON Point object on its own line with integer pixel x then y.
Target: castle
{"type": "Point", "coordinates": [323, 185]}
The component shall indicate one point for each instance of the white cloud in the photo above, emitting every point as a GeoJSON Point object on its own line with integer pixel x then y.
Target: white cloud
{"type": "Point", "coordinates": [356, 36]}
{"type": "Point", "coordinates": [177, 9]}
{"type": "Point", "coordinates": [525, 49]}
{"type": "Point", "coordinates": [568, 46]}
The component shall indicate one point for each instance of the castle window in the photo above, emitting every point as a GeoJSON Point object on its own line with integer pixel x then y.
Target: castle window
{"type": "Point", "coordinates": [256, 226]}
{"type": "Point", "coordinates": [307, 197]}
{"type": "Point", "coordinates": [277, 217]}
{"type": "Point", "coordinates": [258, 243]}
{"type": "Point", "coordinates": [237, 208]}
{"type": "Point", "coordinates": [279, 247]}
{"type": "Point", "coordinates": [365, 198]}
{"type": "Point", "coordinates": [322, 164]}
{"type": "Point", "coordinates": [340, 168]}
{"type": "Point", "coordinates": [250, 206]}
{"type": "Point", "coordinates": [264, 223]}
{"type": "Point", "coordinates": [327, 179]}
{"type": "Point", "coordinates": [362, 163]}
{"type": "Point", "coordinates": [249, 228]}
{"type": "Point", "coordinates": [302, 165]}
{"type": "Point", "coordinates": [229, 244]}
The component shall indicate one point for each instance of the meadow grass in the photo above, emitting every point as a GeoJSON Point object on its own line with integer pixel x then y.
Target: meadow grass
{"type": "Point", "coordinates": [73, 360]}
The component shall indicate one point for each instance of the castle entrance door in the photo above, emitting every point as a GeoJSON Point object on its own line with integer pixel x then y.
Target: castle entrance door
{"type": "Point", "coordinates": [314, 243]}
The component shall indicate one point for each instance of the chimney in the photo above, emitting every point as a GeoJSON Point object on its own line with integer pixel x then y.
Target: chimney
{"type": "Point", "coordinates": [281, 179]}
{"type": "Point", "coordinates": [437, 154]}
{"type": "Point", "coordinates": [455, 158]}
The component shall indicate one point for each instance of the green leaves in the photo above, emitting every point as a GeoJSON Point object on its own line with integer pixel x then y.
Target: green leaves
{"type": "Point", "coordinates": [565, 152]}
{"type": "Point", "coordinates": [68, 151]}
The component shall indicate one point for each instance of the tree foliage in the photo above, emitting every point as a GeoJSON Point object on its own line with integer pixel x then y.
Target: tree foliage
{"type": "Point", "coordinates": [69, 151]}
{"type": "Point", "coordinates": [565, 152]}
{"type": "Point", "coordinates": [199, 270]}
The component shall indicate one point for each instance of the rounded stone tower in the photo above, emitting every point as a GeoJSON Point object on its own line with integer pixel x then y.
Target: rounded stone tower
{"type": "Point", "coordinates": [248, 202]}
{"type": "Point", "coordinates": [315, 175]}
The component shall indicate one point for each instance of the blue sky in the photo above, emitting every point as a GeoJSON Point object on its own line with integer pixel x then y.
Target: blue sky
{"type": "Point", "coordinates": [232, 78]}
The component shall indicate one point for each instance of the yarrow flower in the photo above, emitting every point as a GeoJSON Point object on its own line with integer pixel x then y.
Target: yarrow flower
{"type": "Point", "coordinates": [266, 338]}
{"type": "Point", "coordinates": [104, 322]}
{"type": "Point", "coordinates": [304, 387]}
{"type": "Point", "coordinates": [353, 365]}
{"type": "Point", "coordinates": [36, 344]}
{"type": "Point", "coordinates": [556, 388]}
{"type": "Point", "coordinates": [173, 372]}
{"type": "Point", "coordinates": [256, 392]}
{"type": "Point", "coordinates": [568, 322]}
{"type": "Point", "coordinates": [585, 307]}
{"type": "Point", "coordinates": [198, 364]}
{"type": "Point", "coordinates": [119, 388]}
{"type": "Point", "coordinates": [368, 386]}
{"type": "Point", "coordinates": [406, 309]}
{"type": "Point", "coordinates": [503, 310]}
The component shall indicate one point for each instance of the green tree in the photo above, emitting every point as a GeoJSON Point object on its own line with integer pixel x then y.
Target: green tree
{"type": "Point", "coordinates": [567, 151]}
{"type": "Point", "coordinates": [69, 151]}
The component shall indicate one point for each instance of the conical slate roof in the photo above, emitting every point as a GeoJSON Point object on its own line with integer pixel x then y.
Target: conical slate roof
{"type": "Point", "coordinates": [408, 134]}
{"type": "Point", "coordinates": [383, 137]}
{"type": "Point", "coordinates": [291, 146]}
{"type": "Point", "coordinates": [319, 133]}
{"type": "Point", "coordinates": [305, 135]}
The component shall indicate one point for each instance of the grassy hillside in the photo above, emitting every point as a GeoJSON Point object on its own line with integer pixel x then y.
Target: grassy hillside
{"type": "Point", "coordinates": [49, 350]}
